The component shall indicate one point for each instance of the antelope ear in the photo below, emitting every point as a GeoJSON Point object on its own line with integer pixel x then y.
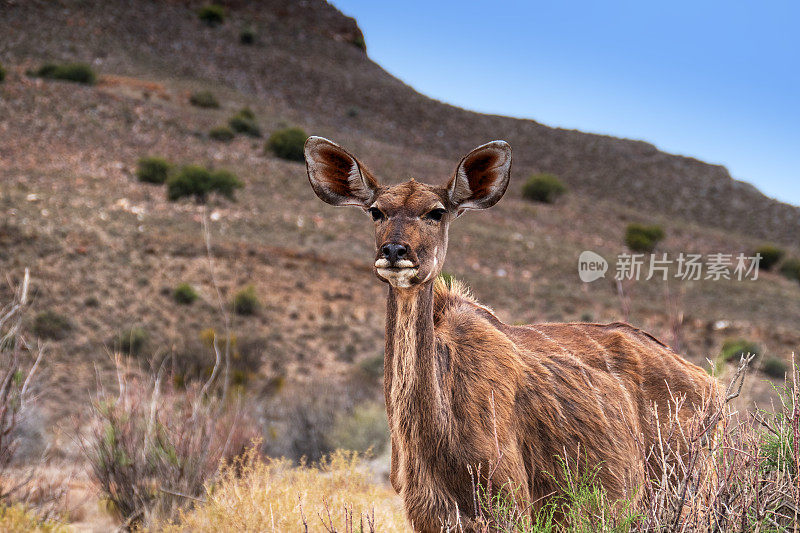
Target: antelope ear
{"type": "Point", "coordinates": [336, 176]}
{"type": "Point", "coordinates": [482, 177]}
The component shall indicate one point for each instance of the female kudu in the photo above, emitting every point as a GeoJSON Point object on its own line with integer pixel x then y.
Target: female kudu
{"type": "Point", "coordinates": [461, 386]}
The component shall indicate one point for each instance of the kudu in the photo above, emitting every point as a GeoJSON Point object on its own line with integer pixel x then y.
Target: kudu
{"type": "Point", "coordinates": [464, 389]}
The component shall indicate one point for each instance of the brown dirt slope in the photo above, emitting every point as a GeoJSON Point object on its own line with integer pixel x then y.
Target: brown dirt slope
{"type": "Point", "coordinates": [304, 62]}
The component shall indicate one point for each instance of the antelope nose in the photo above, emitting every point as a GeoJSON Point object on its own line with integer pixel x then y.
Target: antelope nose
{"type": "Point", "coordinates": [394, 252]}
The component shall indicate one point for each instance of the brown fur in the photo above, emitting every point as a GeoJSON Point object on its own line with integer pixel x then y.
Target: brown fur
{"type": "Point", "coordinates": [465, 391]}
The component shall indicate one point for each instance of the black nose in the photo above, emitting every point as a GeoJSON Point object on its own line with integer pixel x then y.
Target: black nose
{"type": "Point", "coordinates": [394, 252]}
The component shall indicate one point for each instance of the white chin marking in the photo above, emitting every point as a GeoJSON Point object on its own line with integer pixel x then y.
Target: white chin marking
{"type": "Point", "coordinates": [398, 278]}
{"type": "Point", "coordinates": [384, 263]}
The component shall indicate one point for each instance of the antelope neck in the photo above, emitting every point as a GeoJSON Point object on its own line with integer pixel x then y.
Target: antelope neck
{"type": "Point", "coordinates": [413, 390]}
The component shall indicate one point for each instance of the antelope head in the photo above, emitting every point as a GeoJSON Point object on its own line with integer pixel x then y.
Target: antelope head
{"type": "Point", "coordinates": [411, 219]}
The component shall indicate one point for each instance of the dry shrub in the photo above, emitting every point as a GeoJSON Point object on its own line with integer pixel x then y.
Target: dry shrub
{"type": "Point", "coordinates": [24, 484]}
{"type": "Point", "coordinates": [255, 494]}
{"type": "Point", "coordinates": [307, 421]}
{"type": "Point", "coordinates": [151, 448]}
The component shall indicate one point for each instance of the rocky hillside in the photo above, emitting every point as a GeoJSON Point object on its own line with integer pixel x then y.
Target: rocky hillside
{"type": "Point", "coordinates": [106, 252]}
{"type": "Point", "coordinates": [307, 64]}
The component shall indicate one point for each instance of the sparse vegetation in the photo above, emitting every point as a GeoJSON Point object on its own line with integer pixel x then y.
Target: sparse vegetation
{"type": "Point", "coordinates": [244, 122]}
{"type": "Point", "coordinates": [132, 341]}
{"type": "Point", "coordinates": [790, 268]}
{"type": "Point", "coordinates": [211, 15]}
{"type": "Point", "coordinates": [245, 302]}
{"type": "Point", "coordinates": [733, 349]}
{"type": "Point", "coordinates": [20, 359]}
{"type": "Point", "coordinates": [184, 294]}
{"type": "Point", "coordinates": [247, 36]}
{"type": "Point", "coordinates": [51, 325]}
{"type": "Point", "coordinates": [544, 188]}
{"type": "Point", "coordinates": [151, 450]}
{"type": "Point", "coordinates": [643, 239]}
{"type": "Point", "coordinates": [204, 99]}
{"type": "Point", "coordinates": [780, 441]}
{"type": "Point", "coordinates": [153, 170]}
{"type": "Point", "coordinates": [288, 143]}
{"type": "Point", "coordinates": [74, 72]}
{"type": "Point", "coordinates": [199, 182]}
{"type": "Point", "coordinates": [770, 256]}
{"type": "Point", "coordinates": [222, 134]}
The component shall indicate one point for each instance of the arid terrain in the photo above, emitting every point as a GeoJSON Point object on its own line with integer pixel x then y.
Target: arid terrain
{"type": "Point", "coordinates": [106, 251]}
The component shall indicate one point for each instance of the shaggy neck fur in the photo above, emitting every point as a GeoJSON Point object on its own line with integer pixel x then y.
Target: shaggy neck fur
{"type": "Point", "coordinates": [412, 388]}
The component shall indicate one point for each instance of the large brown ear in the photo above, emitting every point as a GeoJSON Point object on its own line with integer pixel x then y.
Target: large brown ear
{"type": "Point", "coordinates": [482, 177]}
{"type": "Point", "coordinates": [336, 176]}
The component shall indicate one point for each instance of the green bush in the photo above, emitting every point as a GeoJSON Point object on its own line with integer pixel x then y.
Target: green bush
{"type": "Point", "coordinates": [543, 188]}
{"type": "Point", "coordinates": [641, 238]}
{"type": "Point", "coordinates": [51, 325]}
{"type": "Point", "coordinates": [775, 367]}
{"type": "Point", "coordinates": [244, 122]}
{"type": "Point", "coordinates": [222, 134]}
{"type": "Point", "coordinates": [247, 113]}
{"type": "Point", "coordinates": [245, 302]}
{"type": "Point", "coordinates": [212, 15]}
{"type": "Point", "coordinates": [791, 269]}
{"type": "Point", "coordinates": [204, 99]}
{"type": "Point", "coordinates": [247, 36]}
{"type": "Point", "coordinates": [2, 73]}
{"type": "Point", "coordinates": [770, 256]}
{"type": "Point", "coordinates": [733, 349]}
{"type": "Point", "coordinates": [197, 181]}
{"type": "Point", "coordinates": [132, 341]}
{"type": "Point", "coordinates": [225, 183]}
{"type": "Point", "coordinates": [75, 72]}
{"type": "Point", "coordinates": [153, 170]}
{"type": "Point", "coordinates": [184, 294]}
{"type": "Point", "coordinates": [364, 429]}
{"type": "Point", "coordinates": [288, 143]}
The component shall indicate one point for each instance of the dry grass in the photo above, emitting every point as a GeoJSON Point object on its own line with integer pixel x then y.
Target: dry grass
{"type": "Point", "coordinates": [18, 519]}
{"type": "Point", "coordinates": [255, 494]}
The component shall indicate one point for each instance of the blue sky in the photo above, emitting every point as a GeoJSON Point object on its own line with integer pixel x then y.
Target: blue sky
{"type": "Point", "coordinates": [719, 81]}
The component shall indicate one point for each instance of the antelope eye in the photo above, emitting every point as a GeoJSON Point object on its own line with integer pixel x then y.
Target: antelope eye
{"type": "Point", "coordinates": [435, 214]}
{"type": "Point", "coordinates": [376, 214]}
